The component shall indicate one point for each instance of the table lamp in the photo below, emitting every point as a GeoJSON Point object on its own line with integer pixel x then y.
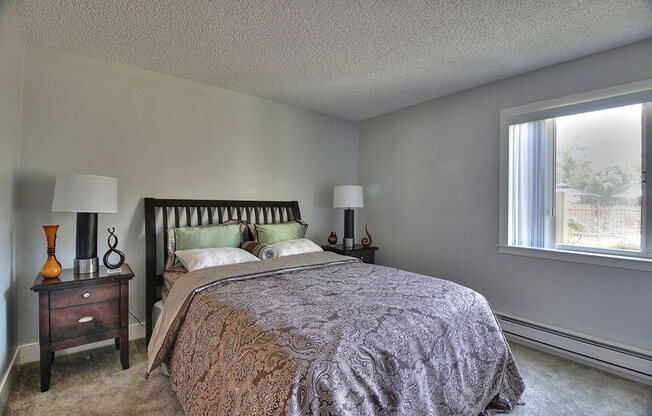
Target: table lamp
{"type": "Point", "coordinates": [87, 195]}
{"type": "Point", "coordinates": [349, 197]}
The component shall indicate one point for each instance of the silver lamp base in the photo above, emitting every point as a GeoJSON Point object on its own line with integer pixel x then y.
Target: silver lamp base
{"type": "Point", "coordinates": [349, 243]}
{"type": "Point", "coordinates": [86, 266]}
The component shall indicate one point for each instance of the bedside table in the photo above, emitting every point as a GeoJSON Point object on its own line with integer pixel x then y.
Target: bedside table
{"type": "Point", "coordinates": [368, 255]}
{"type": "Point", "coordinates": [77, 309]}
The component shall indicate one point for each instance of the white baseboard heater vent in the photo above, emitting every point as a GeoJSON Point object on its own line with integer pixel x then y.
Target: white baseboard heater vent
{"type": "Point", "coordinates": [626, 361]}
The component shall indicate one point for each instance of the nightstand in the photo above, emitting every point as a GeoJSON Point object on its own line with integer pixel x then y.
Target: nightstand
{"type": "Point", "coordinates": [77, 309]}
{"type": "Point", "coordinates": [367, 254]}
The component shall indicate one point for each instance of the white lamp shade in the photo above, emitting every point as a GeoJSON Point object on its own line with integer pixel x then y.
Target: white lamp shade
{"type": "Point", "coordinates": [85, 193]}
{"type": "Point", "coordinates": [347, 196]}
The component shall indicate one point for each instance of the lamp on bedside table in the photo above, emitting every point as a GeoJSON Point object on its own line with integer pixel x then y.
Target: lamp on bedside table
{"type": "Point", "coordinates": [87, 195]}
{"type": "Point", "coordinates": [349, 197]}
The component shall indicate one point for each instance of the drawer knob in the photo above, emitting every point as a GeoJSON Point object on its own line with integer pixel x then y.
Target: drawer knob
{"type": "Point", "coordinates": [85, 319]}
{"type": "Point", "coordinates": [87, 295]}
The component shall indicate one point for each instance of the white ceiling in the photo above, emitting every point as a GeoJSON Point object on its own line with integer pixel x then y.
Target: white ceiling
{"type": "Point", "coordinates": [351, 59]}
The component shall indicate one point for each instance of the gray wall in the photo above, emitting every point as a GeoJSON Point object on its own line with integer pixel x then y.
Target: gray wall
{"type": "Point", "coordinates": [161, 137]}
{"type": "Point", "coordinates": [430, 172]}
{"type": "Point", "coordinates": [11, 67]}
{"type": "Point", "coordinates": [431, 179]}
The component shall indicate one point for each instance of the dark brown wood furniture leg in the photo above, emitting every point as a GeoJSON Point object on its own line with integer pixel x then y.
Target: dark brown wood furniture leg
{"type": "Point", "coordinates": [123, 342]}
{"type": "Point", "coordinates": [45, 368]}
{"type": "Point", "coordinates": [124, 348]}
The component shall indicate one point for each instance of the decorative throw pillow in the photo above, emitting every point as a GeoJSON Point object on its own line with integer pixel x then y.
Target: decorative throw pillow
{"type": "Point", "coordinates": [171, 261]}
{"type": "Point", "coordinates": [196, 259]}
{"type": "Point", "coordinates": [273, 233]}
{"type": "Point", "coordinates": [261, 250]}
{"type": "Point", "coordinates": [297, 246]}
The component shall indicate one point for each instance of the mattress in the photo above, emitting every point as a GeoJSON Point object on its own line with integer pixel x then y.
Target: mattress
{"type": "Point", "coordinates": [156, 312]}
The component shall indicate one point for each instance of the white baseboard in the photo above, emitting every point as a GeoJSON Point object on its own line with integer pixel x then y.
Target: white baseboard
{"type": "Point", "coordinates": [28, 353]}
{"type": "Point", "coordinates": [31, 352]}
{"type": "Point", "coordinates": [7, 382]}
{"type": "Point", "coordinates": [629, 362]}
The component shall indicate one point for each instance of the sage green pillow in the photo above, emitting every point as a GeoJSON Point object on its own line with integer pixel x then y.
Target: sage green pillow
{"type": "Point", "coordinates": [189, 238]}
{"type": "Point", "coordinates": [273, 233]}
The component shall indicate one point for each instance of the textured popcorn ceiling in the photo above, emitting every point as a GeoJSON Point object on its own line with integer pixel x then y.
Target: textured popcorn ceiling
{"type": "Point", "coordinates": [352, 59]}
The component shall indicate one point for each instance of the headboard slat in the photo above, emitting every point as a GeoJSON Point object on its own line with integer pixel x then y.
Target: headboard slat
{"type": "Point", "coordinates": [153, 280]}
{"type": "Point", "coordinates": [165, 235]}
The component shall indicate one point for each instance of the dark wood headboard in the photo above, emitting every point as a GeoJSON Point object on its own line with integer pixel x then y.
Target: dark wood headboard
{"type": "Point", "coordinates": [165, 214]}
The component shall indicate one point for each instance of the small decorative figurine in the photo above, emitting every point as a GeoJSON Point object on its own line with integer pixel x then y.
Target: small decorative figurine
{"type": "Point", "coordinates": [332, 239]}
{"type": "Point", "coordinates": [52, 267]}
{"type": "Point", "coordinates": [112, 248]}
{"type": "Point", "coordinates": [366, 242]}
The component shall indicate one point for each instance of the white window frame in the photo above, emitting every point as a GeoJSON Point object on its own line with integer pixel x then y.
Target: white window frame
{"type": "Point", "coordinates": [602, 257]}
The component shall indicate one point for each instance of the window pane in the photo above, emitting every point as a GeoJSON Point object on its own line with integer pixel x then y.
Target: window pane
{"type": "Point", "coordinates": [530, 153]}
{"type": "Point", "coordinates": [598, 178]}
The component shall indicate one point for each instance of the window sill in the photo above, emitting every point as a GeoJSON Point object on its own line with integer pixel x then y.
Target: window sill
{"type": "Point", "coordinates": [598, 259]}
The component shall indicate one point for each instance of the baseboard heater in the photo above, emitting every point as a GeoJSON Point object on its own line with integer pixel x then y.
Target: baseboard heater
{"type": "Point", "coordinates": [629, 362]}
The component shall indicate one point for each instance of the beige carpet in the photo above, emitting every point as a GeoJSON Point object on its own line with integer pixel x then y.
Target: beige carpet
{"type": "Point", "coordinates": [92, 383]}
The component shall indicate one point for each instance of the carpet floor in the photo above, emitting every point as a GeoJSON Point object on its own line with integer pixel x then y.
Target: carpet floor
{"type": "Point", "coordinates": [91, 383]}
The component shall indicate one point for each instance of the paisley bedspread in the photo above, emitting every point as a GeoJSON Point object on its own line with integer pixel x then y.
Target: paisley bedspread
{"type": "Point", "coordinates": [341, 339]}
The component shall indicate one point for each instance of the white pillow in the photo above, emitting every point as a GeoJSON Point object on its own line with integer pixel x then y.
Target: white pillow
{"type": "Point", "coordinates": [201, 258]}
{"type": "Point", "coordinates": [298, 246]}
{"type": "Point", "coordinates": [171, 260]}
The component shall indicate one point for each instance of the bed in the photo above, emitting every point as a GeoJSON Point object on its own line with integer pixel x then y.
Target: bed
{"type": "Point", "coordinates": [319, 333]}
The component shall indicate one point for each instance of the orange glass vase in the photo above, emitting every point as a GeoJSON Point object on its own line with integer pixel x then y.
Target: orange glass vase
{"type": "Point", "coordinates": [52, 267]}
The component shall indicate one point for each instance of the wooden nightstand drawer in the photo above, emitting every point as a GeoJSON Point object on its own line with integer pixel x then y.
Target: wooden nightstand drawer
{"type": "Point", "coordinates": [76, 321]}
{"type": "Point", "coordinates": [366, 258]}
{"type": "Point", "coordinates": [366, 254]}
{"type": "Point", "coordinates": [84, 295]}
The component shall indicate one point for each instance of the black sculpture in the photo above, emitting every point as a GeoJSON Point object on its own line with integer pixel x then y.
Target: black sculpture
{"type": "Point", "coordinates": [112, 248]}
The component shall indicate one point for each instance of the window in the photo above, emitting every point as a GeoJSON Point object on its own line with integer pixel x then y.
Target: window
{"type": "Point", "coordinates": [599, 173]}
{"type": "Point", "coordinates": [574, 180]}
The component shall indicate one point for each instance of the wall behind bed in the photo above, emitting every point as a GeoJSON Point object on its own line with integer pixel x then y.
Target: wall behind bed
{"type": "Point", "coordinates": [11, 67]}
{"type": "Point", "coordinates": [163, 137]}
{"type": "Point", "coordinates": [431, 178]}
